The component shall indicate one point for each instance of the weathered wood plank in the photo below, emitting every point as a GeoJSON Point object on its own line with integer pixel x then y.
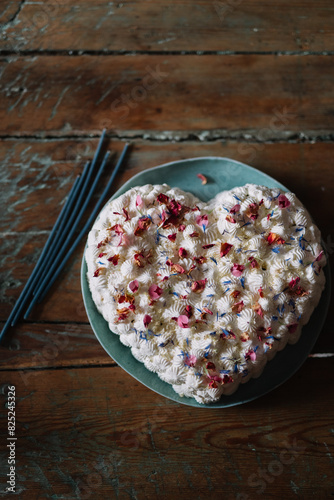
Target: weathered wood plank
{"type": "Point", "coordinates": [303, 168]}
{"type": "Point", "coordinates": [101, 430]}
{"type": "Point", "coordinates": [43, 345]}
{"type": "Point", "coordinates": [180, 25]}
{"type": "Point", "coordinates": [266, 96]}
{"type": "Point", "coordinates": [40, 173]}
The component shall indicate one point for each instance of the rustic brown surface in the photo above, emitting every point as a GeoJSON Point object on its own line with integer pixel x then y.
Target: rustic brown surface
{"type": "Point", "coordinates": [235, 25]}
{"type": "Point", "coordinates": [85, 428]}
{"type": "Point", "coordinates": [209, 95]}
{"type": "Point", "coordinates": [95, 432]}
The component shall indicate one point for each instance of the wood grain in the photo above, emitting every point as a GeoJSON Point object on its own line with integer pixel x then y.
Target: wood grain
{"type": "Point", "coordinates": [97, 432]}
{"type": "Point", "coordinates": [43, 172]}
{"type": "Point", "coordinates": [209, 96]}
{"type": "Point", "coordinates": [186, 25]}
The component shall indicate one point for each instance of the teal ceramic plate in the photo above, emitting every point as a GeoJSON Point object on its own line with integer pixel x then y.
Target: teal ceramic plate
{"type": "Point", "coordinates": [222, 174]}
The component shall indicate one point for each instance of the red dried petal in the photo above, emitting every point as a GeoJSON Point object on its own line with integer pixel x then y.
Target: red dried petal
{"type": "Point", "coordinates": [198, 286]}
{"type": "Point", "coordinates": [114, 259]}
{"type": "Point", "coordinates": [225, 248]}
{"type": "Point", "coordinates": [163, 198]}
{"type": "Point", "coordinates": [183, 252]}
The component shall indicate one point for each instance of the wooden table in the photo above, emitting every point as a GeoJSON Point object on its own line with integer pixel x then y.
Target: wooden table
{"type": "Point", "coordinates": [177, 79]}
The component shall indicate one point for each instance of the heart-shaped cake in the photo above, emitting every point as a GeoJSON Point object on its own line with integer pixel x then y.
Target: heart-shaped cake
{"type": "Point", "coordinates": [205, 294]}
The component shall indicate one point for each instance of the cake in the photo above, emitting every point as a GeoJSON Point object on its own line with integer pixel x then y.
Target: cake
{"type": "Point", "coordinates": [204, 294]}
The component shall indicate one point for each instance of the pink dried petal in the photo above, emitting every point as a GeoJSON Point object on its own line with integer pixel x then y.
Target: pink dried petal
{"type": "Point", "coordinates": [250, 355]}
{"type": "Point", "coordinates": [139, 201]}
{"type": "Point", "coordinates": [190, 360]}
{"type": "Point", "coordinates": [134, 285]}
{"type": "Point", "coordinates": [283, 201]}
{"type": "Point", "coordinates": [183, 321]}
{"type": "Point", "coordinates": [155, 292]}
{"type": "Point", "coordinates": [202, 220]}
{"type": "Point", "coordinates": [237, 270]}
{"type": "Point", "coordinates": [235, 209]}
{"type": "Point", "coordinates": [147, 320]}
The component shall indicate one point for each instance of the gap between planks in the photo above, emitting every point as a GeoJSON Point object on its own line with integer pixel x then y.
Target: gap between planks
{"type": "Point", "coordinates": [106, 52]}
{"type": "Point", "coordinates": [201, 136]}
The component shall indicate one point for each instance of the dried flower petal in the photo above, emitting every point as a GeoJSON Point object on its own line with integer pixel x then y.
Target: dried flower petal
{"type": "Point", "coordinates": [198, 286]}
{"type": "Point", "coordinates": [199, 260]}
{"type": "Point", "coordinates": [225, 248]}
{"type": "Point", "coordinates": [163, 198]}
{"type": "Point", "coordinates": [143, 224]}
{"type": "Point", "coordinates": [252, 211]}
{"type": "Point", "coordinates": [203, 178]}
{"type": "Point", "coordinates": [235, 209]}
{"type": "Point", "coordinates": [155, 292]}
{"type": "Point", "coordinates": [183, 321]}
{"type": "Point", "coordinates": [114, 259]}
{"type": "Point", "coordinates": [183, 252]}
{"type": "Point", "coordinates": [172, 237]}
{"type": "Point", "coordinates": [230, 219]}
{"type": "Point", "coordinates": [274, 238]}
{"type": "Point", "coordinates": [283, 201]}
{"type": "Point", "coordinates": [188, 311]}
{"type": "Point", "coordinates": [250, 355]}
{"type": "Point", "coordinates": [202, 220]}
{"type": "Point", "coordinates": [134, 285]}
{"type": "Point", "coordinates": [190, 360]}
{"type": "Point", "coordinates": [293, 327]}
{"type": "Point", "coordinates": [258, 309]}
{"type": "Point", "coordinates": [237, 270]}
{"type": "Point", "coordinates": [294, 282]}
{"type": "Point", "coordinates": [139, 201]}
{"type": "Point", "coordinates": [238, 307]}
{"type": "Point", "coordinates": [147, 320]}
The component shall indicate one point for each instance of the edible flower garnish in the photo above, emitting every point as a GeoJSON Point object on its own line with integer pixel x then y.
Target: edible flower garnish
{"type": "Point", "coordinates": [238, 307]}
{"type": "Point", "coordinates": [225, 248]}
{"type": "Point", "coordinates": [237, 269]}
{"type": "Point", "coordinates": [114, 259]}
{"type": "Point", "coordinates": [230, 219]}
{"type": "Point", "coordinates": [183, 252]}
{"type": "Point", "coordinates": [202, 220]}
{"type": "Point", "coordinates": [183, 321]}
{"type": "Point", "coordinates": [258, 309]}
{"type": "Point", "coordinates": [274, 238]}
{"type": "Point", "coordinates": [203, 178]}
{"type": "Point", "coordinates": [283, 201]}
{"type": "Point", "coordinates": [235, 209]}
{"type": "Point", "coordinates": [252, 211]}
{"type": "Point", "coordinates": [143, 224]}
{"type": "Point", "coordinates": [198, 286]}
{"type": "Point", "coordinates": [134, 285]}
{"type": "Point", "coordinates": [147, 320]}
{"type": "Point", "coordinates": [155, 292]}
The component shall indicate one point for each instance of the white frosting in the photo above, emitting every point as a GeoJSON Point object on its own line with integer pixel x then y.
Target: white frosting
{"type": "Point", "coordinates": [254, 314]}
